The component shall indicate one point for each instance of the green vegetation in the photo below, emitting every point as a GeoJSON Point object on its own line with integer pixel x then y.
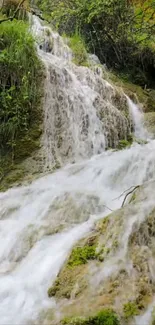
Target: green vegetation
{"type": "Point", "coordinates": [20, 94]}
{"type": "Point", "coordinates": [15, 8]}
{"type": "Point", "coordinates": [130, 309]}
{"type": "Point", "coordinates": [78, 47]}
{"type": "Point", "coordinates": [123, 144]}
{"type": "Point", "coordinates": [80, 255]}
{"type": "Point", "coordinates": [153, 317]}
{"type": "Point", "coordinates": [104, 317]}
{"type": "Point", "coordinates": [19, 75]}
{"type": "Point", "coordinates": [120, 32]}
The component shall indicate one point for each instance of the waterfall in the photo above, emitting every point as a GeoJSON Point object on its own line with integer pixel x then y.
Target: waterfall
{"type": "Point", "coordinates": [138, 121]}
{"type": "Point", "coordinates": [40, 223]}
{"type": "Point", "coordinates": [84, 113]}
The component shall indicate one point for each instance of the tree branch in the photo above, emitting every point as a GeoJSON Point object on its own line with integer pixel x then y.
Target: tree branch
{"type": "Point", "coordinates": [14, 14]}
{"type": "Point", "coordinates": [129, 194]}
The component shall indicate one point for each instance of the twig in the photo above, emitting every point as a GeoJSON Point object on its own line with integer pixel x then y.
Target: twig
{"type": "Point", "coordinates": [129, 193]}
{"type": "Point", "coordinates": [108, 208]}
{"type": "Point", "coordinates": [123, 193]}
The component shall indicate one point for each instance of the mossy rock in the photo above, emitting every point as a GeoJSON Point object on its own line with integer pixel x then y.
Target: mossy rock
{"type": "Point", "coordinates": [149, 122]}
{"type": "Point", "coordinates": [70, 281]}
{"type": "Point", "coordinates": [11, 164]}
{"type": "Point", "coordinates": [135, 92]}
{"type": "Point", "coordinates": [150, 103]}
{"type": "Point", "coordinates": [13, 177]}
{"type": "Point", "coordinates": [81, 255]}
{"type": "Point", "coordinates": [72, 276]}
{"type": "Point", "coordinates": [28, 144]}
{"type": "Point", "coordinates": [76, 281]}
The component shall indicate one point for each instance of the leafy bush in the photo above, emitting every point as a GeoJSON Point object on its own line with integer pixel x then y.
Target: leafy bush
{"type": "Point", "coordinates": [20, 76]}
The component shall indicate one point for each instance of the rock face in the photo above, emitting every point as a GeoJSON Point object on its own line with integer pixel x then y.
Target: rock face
{"type": "Point", "coordinates": [120, 250]}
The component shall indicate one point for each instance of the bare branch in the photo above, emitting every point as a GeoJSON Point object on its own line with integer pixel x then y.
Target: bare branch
{"type": "Point", "coordinates": [123, 193]}
{"type": "Point", "coordinates": [129, 194]}
{"type": "Point", "coordinates": [108, 208]}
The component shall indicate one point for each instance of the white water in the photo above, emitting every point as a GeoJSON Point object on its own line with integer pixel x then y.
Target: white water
{"type": "Point", "coordinates": [68, 201]}
{"type": "Point", "coordinates": [30, 255]}
{"type": "Point", "coordinates": [84, 114]}
{"type": "Point", "coordinates": [138, 121]}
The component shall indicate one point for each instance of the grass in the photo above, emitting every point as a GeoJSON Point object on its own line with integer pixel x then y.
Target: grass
{"type": "Point", "coordinates": [78, 47]}
{"type": "Point", "coordinates": [21, 75]}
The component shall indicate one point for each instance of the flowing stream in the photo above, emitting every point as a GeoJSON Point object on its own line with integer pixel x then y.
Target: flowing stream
{"type": "Point", "coordinates": [40, 223]}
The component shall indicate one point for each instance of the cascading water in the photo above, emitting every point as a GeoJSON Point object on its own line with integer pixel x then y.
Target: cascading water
{"type": "Point", "coordinates": [84, 114]}
{"type": "Point", "coordinates": [138, 121]}
{"type": "Point", "coordinates": [41, 222]}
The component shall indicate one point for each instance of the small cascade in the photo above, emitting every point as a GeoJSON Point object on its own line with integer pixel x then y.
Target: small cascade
{"type": "Point", "coordinates": [84, 114]}
{"type": "Point", "coordinates": [138, 121]}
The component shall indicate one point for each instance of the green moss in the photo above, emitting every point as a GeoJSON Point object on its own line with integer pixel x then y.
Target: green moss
{"type": "Point", "coordinates": [102, 225]}
{"type": "Point", "coordinates": [75, 321]}
{"type": "Point", "coordinates": [74, 270]}
{"type": "Point", "coordinates": [153, 318]}
{"type": "Point", "coordinates": [149, 120]}
{"type": "Point", "coordinates": [52, 290]}
{"type": "Point", "coordinates": [130, 309]}
{"type": "Point", "coordinates": [28, 144]}
{"type": "Point", "coordinates": [12, 178]}
{"type": "Point", "coordinates": [104, 317]}
{"type": "Point", "coordinates": [151, 101]}
{"type": "Point", "coordinates": [133, 198]}
{"type": "Point", "coordinates": [123, 144]}
{"type": "Point", "coordinates": [66, 281]}
{"type": "Point", "coordinates": [81, 255]}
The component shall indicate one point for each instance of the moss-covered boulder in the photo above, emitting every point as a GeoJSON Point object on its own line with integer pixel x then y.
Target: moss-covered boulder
{"type": "Point", "coordinates": [99, 270]}
{"type": "Point", "coordinates": [150, 122]}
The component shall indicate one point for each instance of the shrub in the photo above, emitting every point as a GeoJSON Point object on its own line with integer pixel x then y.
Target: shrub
{"type": "Point", "coordinates": [20, 76]}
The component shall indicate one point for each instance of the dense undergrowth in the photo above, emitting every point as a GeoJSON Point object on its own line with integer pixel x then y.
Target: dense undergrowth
{"type": "Point", "coordinates": [20, 93]}
{"type": "Point", "coordinates": [120, 32]}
